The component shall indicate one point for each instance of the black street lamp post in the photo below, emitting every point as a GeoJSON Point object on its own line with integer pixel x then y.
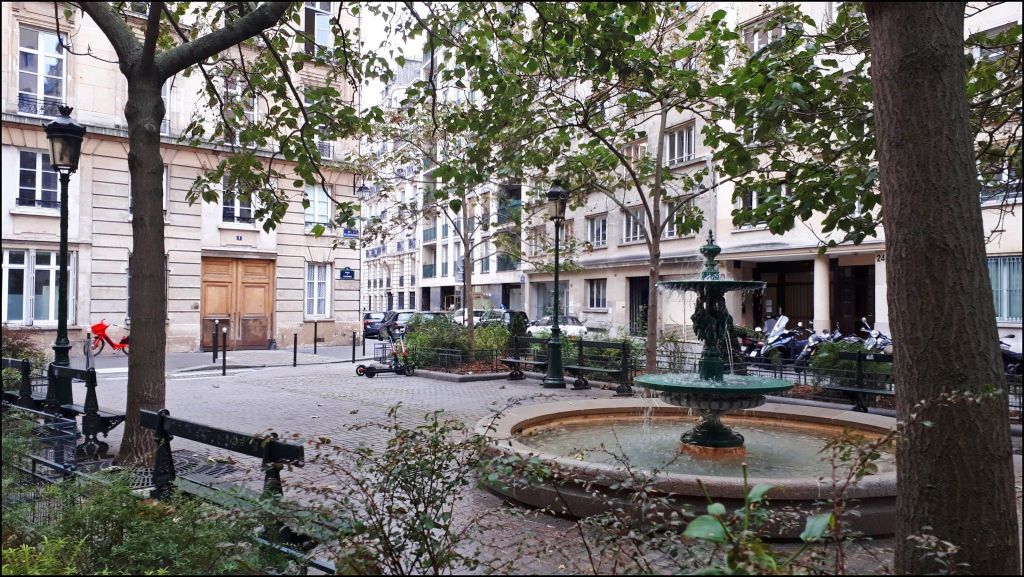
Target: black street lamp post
{"type": "Point", "coordinates": [555, 379]}
{"type": "Point", "coordinates": [65, 136]}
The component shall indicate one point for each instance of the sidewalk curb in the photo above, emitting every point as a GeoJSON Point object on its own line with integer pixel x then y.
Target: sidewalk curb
{"type": "Point", "coordinates": [454, 378]}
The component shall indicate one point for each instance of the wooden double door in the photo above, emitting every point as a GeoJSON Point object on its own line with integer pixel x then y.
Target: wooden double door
{"type": "Point", "coordinates": [237, 294]}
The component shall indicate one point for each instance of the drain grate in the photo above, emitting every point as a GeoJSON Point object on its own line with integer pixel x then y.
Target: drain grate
{"type": "Point", "coordinates": [185, 462]}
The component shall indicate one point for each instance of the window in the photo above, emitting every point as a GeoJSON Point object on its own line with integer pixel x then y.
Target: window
{"type": "Point", "coordinates": [237, 206]}
{"type": "Point", "coordinates": [1004, 186]}
{"type": "Point", "coordinates": [597, 293]}
{"type": "Point", "coordinates": [671, 212]}
{"type": "Point", "coordinates": [37, 181]}
{"type": "Point", "coordinates": [568, 229]}
{"type": "Point", "coordinates": [633, 153]}
{"type": "Point", "coordinates": [536, 240]}
{"type": "Point", "coordinates": [1004, 272]}
{"type": "Point", "coordinates": [757, 195]}
{"type": "Point", "coordinates": [485, 260]}
{"type": "Point", "coordinates": [444, 260]}
{"type": "Point", "coordinates": [412, 299]}
{"type": "Point", "coordinates": [401, 300]}
{"type": "Point", "coordinates": [319, 211]}
{"type": "Point", "coordinates": [236, 92]}
{"type": "Point", "coordinates": [326, 148]}
{"type": "Point", "coordinates": [679, 145]}
{"type": "Point", "coordinates": [597, 230]}
{"type": "Point", "coordinates": [167, 171]}
{"type": "Point", "coordinates": [756, 37]}
{"type": "Point", "coordinates": [40, 73]}
{"type": "Point", "coordinates": [633, 225]}
{"type": "Point", "coordinates": [30, 281]}
{"type": "Point", "coordinates": [317, 299]}
{"type": "Point", "coordinates": [318, 26]}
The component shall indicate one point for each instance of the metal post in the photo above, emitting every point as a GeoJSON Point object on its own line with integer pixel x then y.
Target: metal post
{"type": "Point", "coordinates": [62, 346]}
{"type": "Point", "coordinates": [554, 378]}
{"type": "Point", "coordinates": [87, 349]}
{"type": "Point", "coordinates": [216, 330]}
{"type": "Point", "coordinates": [224, 358]}
{"type": "Point", "coordinates": [353, 347]}
{"type": "Point", "coordinates": [315, 335]}
{"type": "Point", "coordinates": [364, 342]}
{"type": "Point", "coordinates": [295, 349]}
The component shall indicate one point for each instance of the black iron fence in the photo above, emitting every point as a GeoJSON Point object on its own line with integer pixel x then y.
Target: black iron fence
{"type": "Point", "coordinates": [457, 361]}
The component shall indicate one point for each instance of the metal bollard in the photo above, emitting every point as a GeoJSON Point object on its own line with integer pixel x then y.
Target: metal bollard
{"type": "Point", "coordinates": [295, 349]}
{"type": "Point", "coordinates": [224, 358]}
{"type": "Point", "coordinates": [216, 335]}
{"type": "Point", "coordinates": [353, 347]}
{"type": "Point", "coordinates": [87, 349]}
{"type": "Point", "coordinates": [364, 343]}
{"type": "Point", "coordinates": [315, 335]}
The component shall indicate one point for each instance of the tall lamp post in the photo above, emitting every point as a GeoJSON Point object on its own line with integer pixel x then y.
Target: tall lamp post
{"type": "Point", "coordinates": [65, 136]}
{"type": "Point", "coordinates": [363, 192]}
{"type": "Point", "coordinates": [555, 379]}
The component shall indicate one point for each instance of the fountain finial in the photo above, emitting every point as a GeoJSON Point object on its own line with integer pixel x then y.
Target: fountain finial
{"type": "Point", "coordinates": [710, 252]}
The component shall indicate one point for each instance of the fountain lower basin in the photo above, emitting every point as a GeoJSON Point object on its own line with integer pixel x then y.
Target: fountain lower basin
{"type": "Point", "coordinates": [798, 492]}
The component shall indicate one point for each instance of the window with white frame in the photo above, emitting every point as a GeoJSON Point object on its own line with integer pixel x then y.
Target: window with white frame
{"type": "Point", "coordinates": [318, 277]}
{"type": "Point", "coordinates": [750, 198]}
{"type": "Point", "coordinates": [536, 240]}
{"type": "Point", "coordinates": [679, 144]}
{"type": "Point", "coordinates": [1004, 272]}
{"type": "Point", "coordinates": [163, 185]}
{"type": "Point", "coordinates": [37, 181]}
{"type": "Point", "coordinates": [633, 153]}
{"type": "Point", "coordinates": [597, 293]}
{"type": "Point", "coordinates": [318, 26]}
{"type": "Point", "coordinates": [756, 36]}
{"type": "Point", "coordinates": [633, 225]}
{"type": "Point", "coordinates": [236, 91]}
{"type": "Point", "coordinates": [597, 230]}
{"type": "Point", "coordinates": [485, 258]}
{"type": "Point", "coordinates": [41, 72]}
{"type": "Point", "coordinates": [1003, 185]}
{"type": "Point", "coordinates": [30, 281]}
{"type": "Point", "coordinates": [672, 211]}
{"type": "Point", "coordinates": [319, 211]}
{"type": "Point", "coordinates": [237, 207]}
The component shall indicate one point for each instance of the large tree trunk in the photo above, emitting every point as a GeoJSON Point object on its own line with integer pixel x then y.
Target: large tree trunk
{"type": "Point", "coordinates": [148, 310]}
{"type": "Point", "coordinates": [654, 275]}
{"type": "Point", "coordinates": [955, 476]}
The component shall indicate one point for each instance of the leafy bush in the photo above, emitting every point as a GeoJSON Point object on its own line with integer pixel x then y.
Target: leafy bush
{"type": "Point", "coordinates": [17, 343]}
{"type": "Point", "coordinates": [438, 333]}
{"type": "Point", "coordinates": [827, 358]}
{"type": "Point", "coordinates": [491, 338]}
{"type": "Point", "coordinates": [107, 528]}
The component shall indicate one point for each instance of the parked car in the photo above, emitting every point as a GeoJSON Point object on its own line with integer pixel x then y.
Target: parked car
{"type": "Point", "coordinates": [503, 318]}
{"type": "Point", "coordinates": [460, 316]}
{"type": "Point", "coordinates": [401, 322]}
{"type": "Point", "coordinates": [569, 325]}
{"type": "Point", "coordinates": [425, 316]}
{"type": "Point", "coordinates": [371, 324]}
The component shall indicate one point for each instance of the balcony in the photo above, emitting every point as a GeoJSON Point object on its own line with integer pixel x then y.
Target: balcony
{"type": "Point", "coordinates": [31, 104]}
{"type": "Point", "coordinates": [430, 234]}
{"type": "Point", "coordinates": [508, 211]}
{"type": "Point", "coordinates": [428, 270]}
{"type": "Point", "coordinates": [507, 263]}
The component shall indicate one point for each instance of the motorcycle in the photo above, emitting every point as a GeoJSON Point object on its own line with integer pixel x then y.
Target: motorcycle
{"type": "Point", "coordinates": [1011, 359]}
{"type": "Point", "coordinates": [877, 341]}
{"type": "Point", "coordinates": [804, 358]}
{"type": "Point", "coordinates": [783, 345]}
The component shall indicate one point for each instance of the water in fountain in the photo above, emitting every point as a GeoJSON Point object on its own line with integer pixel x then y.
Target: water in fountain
{"type": "Point", "coordinates": [711, 391]}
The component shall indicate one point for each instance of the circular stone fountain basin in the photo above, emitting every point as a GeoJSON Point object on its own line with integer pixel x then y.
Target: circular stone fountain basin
{"type": "Point", "coordinates": [782, 445]}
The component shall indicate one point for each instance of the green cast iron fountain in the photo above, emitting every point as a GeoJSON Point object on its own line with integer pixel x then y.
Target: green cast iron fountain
{"type": "Point", "coordinates": [711, 391]}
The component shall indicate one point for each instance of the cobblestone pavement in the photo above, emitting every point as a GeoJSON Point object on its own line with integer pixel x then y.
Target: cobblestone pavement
{"type": "Point", "coordinates": [325, 399]}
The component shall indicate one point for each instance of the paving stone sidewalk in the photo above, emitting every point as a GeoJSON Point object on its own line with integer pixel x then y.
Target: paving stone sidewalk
{"type": "Point", "coordinates": [325, 399]}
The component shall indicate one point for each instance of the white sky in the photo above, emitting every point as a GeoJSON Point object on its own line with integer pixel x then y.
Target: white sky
{"type": "Point", "coordinates": [372, 34]}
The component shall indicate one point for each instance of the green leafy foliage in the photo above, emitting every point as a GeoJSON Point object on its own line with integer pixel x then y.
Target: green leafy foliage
{"type": "Point", "coordinates": [20, 343]}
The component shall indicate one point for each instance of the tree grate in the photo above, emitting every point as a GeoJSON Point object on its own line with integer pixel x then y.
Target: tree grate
{"type": "Point", "coordinates": [185, 462]}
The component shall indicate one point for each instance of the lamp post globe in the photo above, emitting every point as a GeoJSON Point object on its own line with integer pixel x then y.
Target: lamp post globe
{"type": "Point", "coordinates": [65, 137]}
{"type": "Point", "coordinates": [555, 377]}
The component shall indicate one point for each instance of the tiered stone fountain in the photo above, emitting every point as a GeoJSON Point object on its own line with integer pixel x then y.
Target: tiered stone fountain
{"type": "Point", "coordinates": [586, 440]}
{"type": "Point", "coordinates": [710, 391]}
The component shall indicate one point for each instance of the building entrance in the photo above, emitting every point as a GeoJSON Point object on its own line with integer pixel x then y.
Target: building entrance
{"type": "Point", "coordinates": [239, 293]}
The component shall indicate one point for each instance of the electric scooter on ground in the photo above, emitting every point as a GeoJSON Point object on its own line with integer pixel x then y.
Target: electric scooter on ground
{"type": "Point", "coordinates": [392, 356]}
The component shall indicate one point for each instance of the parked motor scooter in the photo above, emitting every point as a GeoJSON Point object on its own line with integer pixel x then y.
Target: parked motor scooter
{"type": "Point", "coordinates": [804, 358]}
{"type": "Point", "coordinates": [1011, 359]}
{"type": "Point", "coordinates": [782, 344]}
{"type": "Point", "coordinates": [877, 341]}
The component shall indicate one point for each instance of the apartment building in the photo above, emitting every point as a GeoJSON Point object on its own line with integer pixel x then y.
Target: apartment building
{"type": "Point", "coordinates": [847, 283]}
{"type": "Point", "coordinates": [221, 265]}
{"type": "Point", "coordinates": [608, 285]}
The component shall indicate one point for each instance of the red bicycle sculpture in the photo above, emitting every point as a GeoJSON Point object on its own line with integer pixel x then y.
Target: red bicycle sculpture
{"type": "Point", "coordinates": [100, 340]}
